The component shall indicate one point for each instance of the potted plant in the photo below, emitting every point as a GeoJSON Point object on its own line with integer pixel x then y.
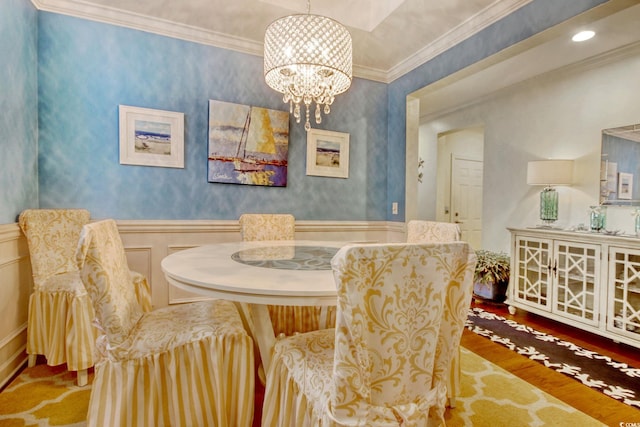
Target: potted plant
{"type": "Point", "coordinates": [491, 276]}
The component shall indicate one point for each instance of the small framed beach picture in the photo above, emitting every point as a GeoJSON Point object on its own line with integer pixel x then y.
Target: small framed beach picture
{"type": "Point", "coordinates": [625, 185]}
{"type": "Point", "coordinates": [327, 153]}
{"type": "Point", "coordinates": [151, 137]}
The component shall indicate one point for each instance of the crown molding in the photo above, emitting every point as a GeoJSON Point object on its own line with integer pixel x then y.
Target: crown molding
{"type": "Point", "coordinates": [118, 17]}
{"type": "Point", "coordinates": [466, 29]}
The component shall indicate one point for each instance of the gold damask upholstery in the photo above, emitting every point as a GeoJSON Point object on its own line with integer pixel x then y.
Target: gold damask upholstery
{"type": "Point", "coordinates": [419, 231]}
{"type": "Point", "coordinates": [267, 227]}
{"type": "Point", "coordinates": [285, 319]}
{"type": "Point", "coordinates": [182, 365]}
{"type": "Point", "coordinates": [401, 310]}
{"type": "Point", "coordinates": [60, 312]}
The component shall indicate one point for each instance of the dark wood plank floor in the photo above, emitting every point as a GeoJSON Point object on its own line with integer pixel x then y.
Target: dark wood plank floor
{"type": "Point", "coordinates": [601, 407]}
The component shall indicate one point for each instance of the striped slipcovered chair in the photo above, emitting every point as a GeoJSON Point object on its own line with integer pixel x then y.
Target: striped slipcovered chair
{"type": "Point", "coordinates": [286, 320]}
{"type": "Point", "coordinates": [182, 365]}
{"type": "Point", "coordinates": [60, 312]}
{"type": "Point", "coordinates": [401, 311]}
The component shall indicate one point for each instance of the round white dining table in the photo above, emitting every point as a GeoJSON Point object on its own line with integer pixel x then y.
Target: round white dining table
{"type": "Point", "coordinates": [256, 274]}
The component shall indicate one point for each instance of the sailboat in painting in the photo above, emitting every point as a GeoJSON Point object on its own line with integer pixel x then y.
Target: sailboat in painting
{"type": "Point", "coordinates": [247, 145]}
{"type": "Point", "coordinates": [243, 163]}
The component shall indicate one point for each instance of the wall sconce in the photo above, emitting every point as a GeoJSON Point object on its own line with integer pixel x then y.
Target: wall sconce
{"type": "Point", "coordinates": [549, 173]}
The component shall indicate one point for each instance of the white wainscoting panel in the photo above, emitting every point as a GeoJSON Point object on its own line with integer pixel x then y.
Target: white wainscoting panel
{"type": "Point", "coordinates": [162, 238]}
{"type": "Point", "coordinates": [146, 243]}
{"type": "Point", "coordinates": [16, 284]}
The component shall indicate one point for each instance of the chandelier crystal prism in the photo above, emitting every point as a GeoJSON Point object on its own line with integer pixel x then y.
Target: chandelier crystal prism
{"type": "Point", "coordinates": [308, 58]}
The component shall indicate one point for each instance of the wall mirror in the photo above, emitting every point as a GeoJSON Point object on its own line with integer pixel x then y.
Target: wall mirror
{"type": "Point", "coordinates": [620, 166]}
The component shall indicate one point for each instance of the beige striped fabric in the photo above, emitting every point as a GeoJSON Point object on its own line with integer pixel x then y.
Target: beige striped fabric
{"type": "Point", "coordinates": [60, 312]}
{"type": "Point", "coordinates": [182, 365]}
{"type": "Point", "coordinates": [401, 310]}
{"type": "Point", "coordinates": [60, 323]}
{"type": "Point", "coordinates": [286, 320]}
{"type": "Point", "coordinates": [419, 231]}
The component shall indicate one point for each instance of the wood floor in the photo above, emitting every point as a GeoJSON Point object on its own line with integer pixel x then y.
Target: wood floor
{"type": "Point", "coordinates": [605, 409]}
{"type": "Point", "coordinates": [601, 407]}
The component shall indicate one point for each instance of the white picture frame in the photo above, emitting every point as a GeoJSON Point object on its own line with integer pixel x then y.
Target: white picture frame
{"type": "Point", "coordinates": [625, 186]}
{"type": "Point", "coordinates": [151, 137]}
{"type": "Point", "coordinates": [327, 153]}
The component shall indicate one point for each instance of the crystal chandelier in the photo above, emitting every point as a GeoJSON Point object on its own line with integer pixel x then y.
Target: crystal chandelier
{"type": "Point", "coordinates": [307, 58]}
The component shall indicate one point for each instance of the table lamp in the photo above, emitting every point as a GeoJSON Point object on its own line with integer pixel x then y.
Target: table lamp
{"type": "Point", "coordinates": [549, 173]}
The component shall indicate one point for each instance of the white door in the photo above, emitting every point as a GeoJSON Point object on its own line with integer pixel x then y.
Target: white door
{"type": "Point", "coordinates": [466, 198]}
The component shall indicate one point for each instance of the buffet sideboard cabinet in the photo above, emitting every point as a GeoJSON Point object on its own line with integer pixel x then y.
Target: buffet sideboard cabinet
{"type": "Point", "coordinates": [587, 280]}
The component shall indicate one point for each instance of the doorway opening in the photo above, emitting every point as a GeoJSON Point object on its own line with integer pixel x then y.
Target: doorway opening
{"type": "Point", "coordinates": [450, 179]}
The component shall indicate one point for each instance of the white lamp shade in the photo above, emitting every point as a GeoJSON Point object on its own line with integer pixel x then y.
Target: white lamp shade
{"type": "Point", "coordinates": [550, 172]}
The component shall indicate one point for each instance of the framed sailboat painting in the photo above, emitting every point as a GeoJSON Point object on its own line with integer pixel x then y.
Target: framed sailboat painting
{"type": "Point", "coordinates": [247, 145]}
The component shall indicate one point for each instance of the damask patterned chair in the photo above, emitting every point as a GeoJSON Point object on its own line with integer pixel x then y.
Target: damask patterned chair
{"type": "Point", "coordinates": [60, 313]}
{"type": "Point", "coordinates": [182, 365]}
{"type": "Point", "coordinates": [286, 320]}
{"type": "Point", "coordinates": [419, 231]}
{"type": "Point", "coordinates": [401, 310]}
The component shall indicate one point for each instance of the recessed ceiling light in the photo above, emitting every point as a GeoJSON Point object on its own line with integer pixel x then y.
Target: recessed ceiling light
{"type": "Point", "coordinates": [582, 36]}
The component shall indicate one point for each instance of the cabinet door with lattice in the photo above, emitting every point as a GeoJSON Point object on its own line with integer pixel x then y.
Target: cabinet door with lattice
{"type": "Point", "coordinates": [623, 308]}
{"type": "Point", "coordinates": [531, 272]}
{"type": "Point", "coordinates": [576, 290]}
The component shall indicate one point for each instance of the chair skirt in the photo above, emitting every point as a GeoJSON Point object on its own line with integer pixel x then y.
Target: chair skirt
{"type": "Point", "coordinates": [185, 365]}
{"type": "Point", "coordinates": [289, 320]}
{"type": "Point", "coordinates": [290, 401]}
{"type": "Point", "coordinates": [60, 323]}
{"type": "Point", "coordinates": [298, 389]}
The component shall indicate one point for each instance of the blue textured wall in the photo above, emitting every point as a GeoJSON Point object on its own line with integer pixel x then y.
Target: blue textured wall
{"type": "Point", "coordinates": [18, 109]}
{"type": "Point", "coordinates": [521, 24]}
{"type": "Point", "coordinates": [86, 69]}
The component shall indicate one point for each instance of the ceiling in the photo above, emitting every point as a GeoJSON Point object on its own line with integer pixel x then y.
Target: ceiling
{"type": "Point", "coordinates": [617, 33]}
{"type": "Point", "coordinates": [390, 37]}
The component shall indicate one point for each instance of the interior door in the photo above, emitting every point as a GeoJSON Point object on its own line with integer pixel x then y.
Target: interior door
{"type": "Point", "coordinates": [466, 198]}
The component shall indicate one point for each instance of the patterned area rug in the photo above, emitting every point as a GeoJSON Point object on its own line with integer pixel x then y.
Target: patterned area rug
{"type": "Point", "coordinates": [492, 397]}
{"type": "Point", "coordinates": [615, 379]}
{"type": "Point", "coordinates": [46, 396]}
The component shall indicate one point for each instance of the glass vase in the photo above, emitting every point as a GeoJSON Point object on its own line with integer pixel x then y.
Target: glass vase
{"type": "Point", "coordinates": [637, 225]}
{"type": "Point", "coordinates": [597, 218]}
